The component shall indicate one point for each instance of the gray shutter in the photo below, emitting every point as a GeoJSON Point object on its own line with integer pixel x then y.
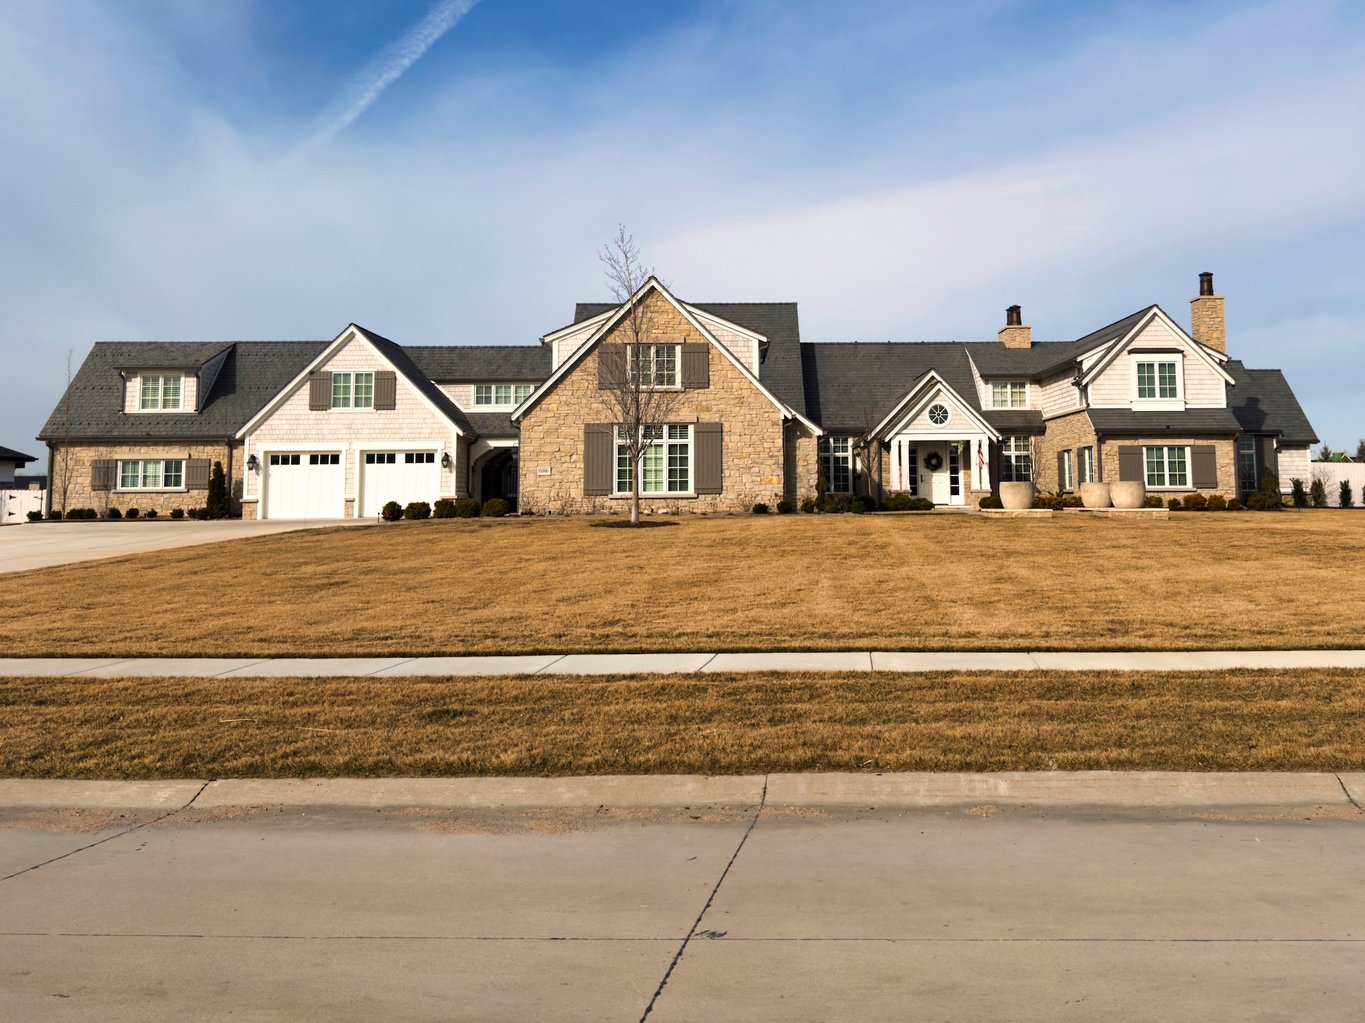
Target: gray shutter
{"type": "Point", "coordinates": [696, 365]}
{"type": "Point", "coordinates": [1130, 464]}
{"type": "Point", "coordinates": [611, 366]}
{"type": "Point", "coordinates": [1269, 459]}
{"type": "Point", "coordinates": [1061, 470]}
{"type": "Point", "coordinates": [197, 474]}
{"type": "Point", "coordinates": [319, 392]}
{"type": "Point", "coordinates": [599, 459]}
{"type": "Point", "coordinates": [709, 454]}
{"type": "Point", "coordinates": [385, 391]}
{"type": "Point", "coordinates": [1204, 467]}
{"type": "Point", "coordinates": [102, 472]}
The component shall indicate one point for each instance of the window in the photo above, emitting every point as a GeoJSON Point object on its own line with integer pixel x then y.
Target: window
{"type": "Point", "coordinates": [334, 458]}
{"type": "Point", "coordinates": [419, 458]}
{"type": "Point", "coordinates": [1087, 465]}
{"type": "Point", "coordinates": [159, 393]}
{"type": "Point", "coordinates": [666, 467]}
{"type": "Point", "coordinates": [1068, 477]}
{"type": "Point", "coordinates": [1246, 464]}
{"type": "Point", "coordinates": [836, 462]}
{"type": "Point", "coordinates": [284, 459]}
{"type": "Point", "coordinates": [1157, 380]}
{"type": "Point", "coordinates": [501, 394]}
{"type": "Point", "coordinates": [352, 390]}
{"type": "Point", "coordinates": [1009, 394]}
{"type": "Point", "coordinates": [1016, 460]}
{"type": "Point", "coordinates": [152, 474]}
{"type": "Point", "coordinates": [381, 458]}
{"type": "Point", "coordinates": [1167, 467]}
{"type": "Point", "coordinates": [658, 364]}
{"type": "Point", "coordinates": [938, 414]}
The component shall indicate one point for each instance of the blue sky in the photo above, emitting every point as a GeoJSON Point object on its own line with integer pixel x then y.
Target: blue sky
{"type": "Point", "coordinates": [279, 168]}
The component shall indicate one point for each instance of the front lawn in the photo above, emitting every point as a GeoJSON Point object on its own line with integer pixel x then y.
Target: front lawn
{"type": "Point", "coordinates": [682, 724]}
{"type": "Point", "coordinates": [887, 582]}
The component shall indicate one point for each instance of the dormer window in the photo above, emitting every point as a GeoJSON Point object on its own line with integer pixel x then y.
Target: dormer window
{"type": "Point", "coordinates": [1157, 380]}
{"type": "Point", "coordinates": [1009, 394]}
{"type": "Point", "coordinates": [501, 394]}
{"type": "Point", "coordinates": [158, 393]}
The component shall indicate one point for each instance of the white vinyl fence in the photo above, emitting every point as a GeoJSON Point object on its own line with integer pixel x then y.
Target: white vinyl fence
{"type": "Point", "coordinates": [16, 504]}
{"type": "Point", "coordinates": [1332, 473]}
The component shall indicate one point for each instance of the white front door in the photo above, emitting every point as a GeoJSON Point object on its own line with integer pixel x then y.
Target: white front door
{"type": "Point", "coordinates": [305, 485]}
{"type": "Point", "coordinates": [402, 476]}
{"type": "Point", "coordinates": [933, 473]}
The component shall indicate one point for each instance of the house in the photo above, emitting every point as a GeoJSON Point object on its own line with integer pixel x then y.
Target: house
{"type": "Point", "coordinates": [335, 429]}
{"type": "Point", "coordinates": [19, 494]}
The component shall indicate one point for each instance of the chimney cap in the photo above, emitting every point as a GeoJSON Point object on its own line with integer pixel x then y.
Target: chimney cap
{"type": "Point", "coordinates": [1014, 316]}
{"type": "Point", "coordinates": [1206, 283]}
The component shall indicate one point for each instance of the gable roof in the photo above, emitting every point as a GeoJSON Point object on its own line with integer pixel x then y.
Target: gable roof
{"type": "Point", "coordinates": [1211, 358]}
{"type": "Point", "coordinates": [425, 386]}
{"type": "Point", "coordinates": [450, 364]}
{"type": "Point", "coordinates": [10, 455]}
{"type": "Point", "coordinates": [1263, 402]}
{"type": "Point", "coordinates": [252, 373]}
{"type": "Point", "coordinates": [851, 387]}
{"type": "Point", "coordinates": [1045, 357]}
{"type": "Point", "coordinates": [929, 388]}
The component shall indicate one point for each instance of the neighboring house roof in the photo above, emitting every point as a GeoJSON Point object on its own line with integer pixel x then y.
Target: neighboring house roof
{"type": "Point", "coordinates": [252, 373]}
{"type": "Point", "coordinates": [1194, 422]}
{"type": "Point", "coordinates": [1263, 402]}
{"type": "Point", "coordinates": [450, 364]}
{"type": "Point", "coordinates": [10, 455]}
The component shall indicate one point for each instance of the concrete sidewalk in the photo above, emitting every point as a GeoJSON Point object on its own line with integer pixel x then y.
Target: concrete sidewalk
{"type": "Point", "coordinates": [683, 663]}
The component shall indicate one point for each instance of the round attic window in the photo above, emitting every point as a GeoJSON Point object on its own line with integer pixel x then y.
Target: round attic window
{"type": "Point", "coordinates": [938, 414]}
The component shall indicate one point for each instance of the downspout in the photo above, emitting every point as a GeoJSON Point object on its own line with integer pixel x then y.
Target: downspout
{"type": "Point", "coordinates": [51, 477]}
{"type": "Point", "coordinates": [228, 474]}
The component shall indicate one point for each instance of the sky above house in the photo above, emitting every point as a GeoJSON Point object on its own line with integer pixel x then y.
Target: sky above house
{"type": "Point", "coordinates": [446, 173]}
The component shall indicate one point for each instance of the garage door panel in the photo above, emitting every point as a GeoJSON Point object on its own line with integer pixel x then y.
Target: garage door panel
{"type": "Point", "coordinates": [304, 485]}
{"type": "Point", "coordinates": [402, 476]}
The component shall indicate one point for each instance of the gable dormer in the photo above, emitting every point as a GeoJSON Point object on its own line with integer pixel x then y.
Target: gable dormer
{"type": "Point", "coordinates": [1155, 367]}
{"type": "Point", "coordinates": [160, 390]}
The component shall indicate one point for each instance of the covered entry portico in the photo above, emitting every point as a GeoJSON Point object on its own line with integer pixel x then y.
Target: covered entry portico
{"type": "Point", "coordinates": [938, 446]}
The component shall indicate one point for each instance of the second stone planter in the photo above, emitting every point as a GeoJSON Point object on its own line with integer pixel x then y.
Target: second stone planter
{"type": "Point", "coordinates": [1095, 495]}
{"type": "Point", "coordinates": [1128, 494]}
{"type": "Point", "coordinates": [1016, 496]}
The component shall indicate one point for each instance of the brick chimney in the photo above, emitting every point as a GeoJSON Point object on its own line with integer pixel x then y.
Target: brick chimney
{"type": "Point", "coordinates": [1014, 334]}
{"type": "Point", "coordinates": [1206, 316]}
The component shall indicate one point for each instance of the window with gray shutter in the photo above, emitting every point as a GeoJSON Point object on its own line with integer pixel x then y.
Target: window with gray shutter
{"type": "Point", "coordinates": [1204, 467]}
{"type": "Point", "coordinates": [197, 474]}
{"type": "Point", "coordinates": [710, 453]}
{"type": "Point", "coordinates": [599, 459]}
{"type": "Point", "coordinates": [611, 366]}
{"type": "Point", "coordinates": [1130, 464]}
{"type": "Point", "coordinates": [102, 474]}
{"type": "Point", "coordinates": [319, 392]}
{"type": "Point", "coordinates": [385, 391]}
{"type": "Point", "coordinates": [696, 365]}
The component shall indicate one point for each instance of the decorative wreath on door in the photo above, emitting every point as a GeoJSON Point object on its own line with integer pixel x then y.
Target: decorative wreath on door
{"type": "Point", "coordinates": [933, 461]}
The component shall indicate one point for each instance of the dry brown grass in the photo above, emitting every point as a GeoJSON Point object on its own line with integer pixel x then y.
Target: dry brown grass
{"type": "Point", "coordinates": [720, 724]}
{"type": "Point", "coordinates": [769, 583]}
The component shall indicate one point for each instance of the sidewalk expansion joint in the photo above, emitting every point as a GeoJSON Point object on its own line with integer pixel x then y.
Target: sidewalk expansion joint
{"type": "Point", "coordinates": [696, 924]}
{"type": "Point", "coordinates": [389, 667]}
{"type": "Point", "coordinates": [1347, 792]}
{"type": "Point", "coordinates": [110, 838]}
{"type": "Point", "coordinates": [541, 670]}
{"type": "Point", "coordinates": [708, 661]}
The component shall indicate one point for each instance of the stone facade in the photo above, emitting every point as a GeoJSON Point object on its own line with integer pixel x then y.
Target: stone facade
{"type": "Point", "coordinates": [1065, 433]}
{"type": "Point", "coordinates": [1225, 455]}
{"type": "Point", "coordinates": [753, 456]}
{"type": "Point", "coordinates": [82, 455]}
{"type": "Point", "coordinates": [1207, 323]}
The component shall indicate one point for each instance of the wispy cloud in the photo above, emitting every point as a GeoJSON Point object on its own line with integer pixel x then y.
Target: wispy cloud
{"type": "Point", "coordinates": [396, 58]}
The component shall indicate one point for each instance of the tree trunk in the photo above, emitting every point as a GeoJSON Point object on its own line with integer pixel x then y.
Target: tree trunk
{"type": "Point", "coordinates": [635, 491]}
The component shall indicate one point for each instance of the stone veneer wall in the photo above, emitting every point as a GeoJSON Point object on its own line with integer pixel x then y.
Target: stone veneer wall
{"type": "Point", "coordinates": [1225, 454]}
{"type": "Point", "coordinates": [79, 495]}
{"type": "Point", "coordinates": [802, 466]}
{"type": "Point", "coordinates": [753, 448]}
{"type": "Point", "coordinates": [1063, 433]}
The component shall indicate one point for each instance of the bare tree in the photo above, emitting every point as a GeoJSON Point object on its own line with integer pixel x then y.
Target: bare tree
{"type": "Point", "coordinates": [60, 468]}
{"type": "Point", "coordinates": [638, 385]}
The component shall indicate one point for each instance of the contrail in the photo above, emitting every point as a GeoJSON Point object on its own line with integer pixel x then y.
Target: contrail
{"type": "Point", "coordinates": [388, 66]}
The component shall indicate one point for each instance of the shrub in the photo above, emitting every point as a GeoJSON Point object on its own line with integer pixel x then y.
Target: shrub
{"type": "Point", "coordinates": [177, 513]}
{"type": "Point", "coordinates": [1234, 504]}
{"type": "Point", "coordinates": [784, 507]}
{"type": "Point", "coordinates": [217, 505]}
{"type": "Point", "coordinates": [1300, 494]}
{"type": "Point", "coordinates": [443, 509]}
{"type": "Point", "coordinates": [417, 510]}
{"type": "Point", "coordinates": [1218, 503]}
{"type": "Point", "coordinates": [1344, 496]}
{"type": "Point", "coordinates": [1174, 504]}
{"type": "Point", "coordinates": [56, 515]}
{"type": "Point", "coordinates": [198, 513]}
{"type": "Point", "coordinates": [991, 502]}
{"type": "Point", "coordinates": [829, 506]}
{"type": "Point", "coordinates": [858, 507]}
{"type": "Point", "coordinates": [151, 513]}
{"type": "Point", "coordinates": [1072, 501]}
{"type": "Point", "coordinates": [1153, 501]}
{"type": "Point", "coordinates": [466, 508]}
{"type": "Point", "coordinates": [897, 502]}
{"type": "Point", "coordinates": [114, 513]}
{"type": "Point", "coordinates": [391, 512]}
{"type": "Point", "coordinates": [870, 502]}
{"type": "Point", "coordinates": [921, 504]}
{"type": "Point", "coordinates": [1317, 493]}
{"type": "Point", "coordinates": [760, 508]}
{"type": "Point", "coordinates": [35, 516]}
{"type": "Point", "coordinates": [1256, 501]}
{"type": "Point", "coordinates": [808, 505]}
{"type": "Point", "coordinates": [1270, 487]}
{"type": "Point", "coordinates": [496, 508]}
{"type": "Point", "coordinates": [1196, 502]}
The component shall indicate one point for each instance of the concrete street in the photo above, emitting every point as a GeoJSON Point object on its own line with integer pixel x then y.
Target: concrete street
{"type": "Point", "coordinates": [43, 544]}
{"type": "Point", "coordinates": [830, 897]}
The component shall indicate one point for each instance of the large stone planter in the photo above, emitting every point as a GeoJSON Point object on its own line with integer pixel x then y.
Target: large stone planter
{"type": "Point", "coordinates": [1095, 495]}
{"type": "Point", "coordinates": [1016, 496]}
{"type": "Point", "coordinates": [1128, 494]}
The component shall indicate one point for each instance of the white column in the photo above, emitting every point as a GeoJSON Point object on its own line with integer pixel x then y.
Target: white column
{"type": "Point", "coordinates": [895, 464]}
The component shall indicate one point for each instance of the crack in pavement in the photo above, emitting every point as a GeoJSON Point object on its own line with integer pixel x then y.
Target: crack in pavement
{"type": "Point", "coordinates": [110, 838]}
{"type": "Point", "coordinates": [696, 924]}
{"type": "Point", "coordinates": [1347, 792]}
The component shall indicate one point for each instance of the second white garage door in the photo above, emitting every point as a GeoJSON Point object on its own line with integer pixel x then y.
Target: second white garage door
{"type": "Point", "coordinates": [304, 486]}
{"type": "Point", "coordinates": [402, 476]}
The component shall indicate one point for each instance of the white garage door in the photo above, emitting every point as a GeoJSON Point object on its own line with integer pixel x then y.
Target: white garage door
{"type": "Point", "coordinates": [304, 486]}
{"type": "Point", "coordinates": [402, 476]}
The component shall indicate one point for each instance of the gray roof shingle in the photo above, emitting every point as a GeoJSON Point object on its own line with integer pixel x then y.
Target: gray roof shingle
{"type": "Point", "coordinates": [493, 424]}
{"type": "Point", "coordinates": [993, 359]}
{"type": "Point", "coordinates": [450, 364]}
{"type": "Point", "coordinates": [1263, 402]}
{"type": "Point", "coordinates": [851, 387]}
{"type": "Point", "coordinates": [1195, 422]}
{"type": "Point", "coordinates": [401, 361]}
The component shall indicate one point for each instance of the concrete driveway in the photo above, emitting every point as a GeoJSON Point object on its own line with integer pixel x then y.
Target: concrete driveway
{"type": "Point", "coordinates": [42, 544]}
{"type": "Point", "coordinates": [686, 899]}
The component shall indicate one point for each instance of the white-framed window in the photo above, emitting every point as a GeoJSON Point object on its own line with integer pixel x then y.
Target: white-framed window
{"type": "Point", "coordinates": [1009, 394]}
{"type": "Point", "coordinates": [665, 468]}
{"type": "Point", "coordinates": [836, 462]}
{"type": "Point", "coordinates": [1167, 466]}
{"type": "Point", "coordinates": [1016, 460]}
{"type": "Point", "coordinates": [1065, 467]}
{"type": "Point", "coordinates": [939, 414]}
{"type": "Point", "coordinates": [159, 393]}
{"type": "Point", "coordinates": [151, 474]}
{"type": "Point", "coordinates": [1087, 464]}
{"type": "Point", "coordinates": [324, 458]}
{"type": "Point", "coordinates": [352, 390]}
{"type": "Point", "coordinates": [284, 459]}
{"type": "Point", "coordinates": [1246, 464]}
{"type": "Point", "coordinates": [1156, 380]}
{"type": "Point", "coordinates": [658, 364]}
{"type": "Point", "coordinates": [502, 394]}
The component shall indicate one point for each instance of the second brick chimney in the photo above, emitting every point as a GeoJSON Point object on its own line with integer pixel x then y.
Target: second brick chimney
{"type": "Point", "coordinates": [1206, 316]}
{"type": "Point", "coordinates": [1015, 334]}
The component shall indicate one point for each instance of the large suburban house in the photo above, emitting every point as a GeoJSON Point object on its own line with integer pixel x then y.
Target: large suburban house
{"type": "Point", "coordinates": [335, 429]}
